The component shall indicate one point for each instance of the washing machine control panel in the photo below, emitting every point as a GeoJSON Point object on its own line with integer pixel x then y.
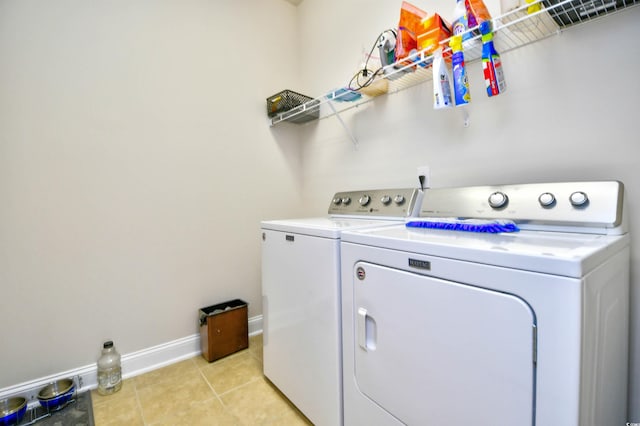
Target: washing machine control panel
{"type": "Point", "coordinates": [590, 205]}
{"type": "Point", "coordinates": [392, 203]}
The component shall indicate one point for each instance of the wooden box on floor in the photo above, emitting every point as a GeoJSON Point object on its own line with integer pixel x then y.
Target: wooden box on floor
{"type": "Point", "coordinates": [224, 329]}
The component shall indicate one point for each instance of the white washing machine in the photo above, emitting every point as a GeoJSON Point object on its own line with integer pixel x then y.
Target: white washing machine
{"type": "Point", "coordinates": [457, 328]}
{"type": "Point", "coordinates": [301, 296]}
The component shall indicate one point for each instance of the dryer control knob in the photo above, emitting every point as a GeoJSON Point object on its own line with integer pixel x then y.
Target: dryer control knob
{"type": "Point", "coordinates": [346, 201]}
{"type": "Point", "coordinates": [546, 199]}
{"type": "Point", "coordinates": [398, 199]}
{"type": "Point", "coordinates": [498, 200]}
{"type": "Point", "coordinates": [337, 201]}
{"type": "Point", "coordinates": [364, 200]}
{"type": "Point", "coordinates": [385, 199]}
{"type": "Point", "coordinates": [578, 199]}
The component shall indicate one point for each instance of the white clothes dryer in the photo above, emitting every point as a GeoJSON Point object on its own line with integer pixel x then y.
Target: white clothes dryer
{"type": "Point", "coordinates": [444, 327]}
{"type": "Point", "coordinates": [301, 296]}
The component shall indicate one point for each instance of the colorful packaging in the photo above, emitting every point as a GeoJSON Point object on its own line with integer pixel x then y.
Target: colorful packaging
{"type": "Point", "coordinates": [408, 29]}
{"type": "Point", "coordinates": [477, 12]}
{"type": "Point", "coordinates": [460, 78]}
{"type": "Point", "coordinates": [435, 29]}
{"type": "Point", "coordinates": [441, 86]}
{"type": "Point", "coordinates": [491, 64]}
{"type": "Point", "coordinates": [460, 21]}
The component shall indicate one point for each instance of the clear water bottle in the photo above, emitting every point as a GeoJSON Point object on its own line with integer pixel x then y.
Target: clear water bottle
{"type": "Point", "coordinates": [109, 370]}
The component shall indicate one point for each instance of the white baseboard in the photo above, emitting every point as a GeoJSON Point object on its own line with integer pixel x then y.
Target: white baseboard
{"type": "Point", "coordinates": [255, 325]}
{"type": "Point", "coordinates": [133, 364]}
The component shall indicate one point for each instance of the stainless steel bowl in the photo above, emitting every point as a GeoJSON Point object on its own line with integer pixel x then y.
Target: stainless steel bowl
{"type": "Point", "coordinates": [12, 410]}
{"type": "Point", "coordinates": [55, 395]}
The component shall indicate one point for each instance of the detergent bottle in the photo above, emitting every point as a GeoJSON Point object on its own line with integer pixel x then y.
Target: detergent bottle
{"type": "Point", "coordinates": [460, 79]}
{"type": "Point", "coordinates": [460, 21]}
{"type": "Point", "coordinates": [441, 86]}
{"type": "Point", "coordinates": [491, 64]}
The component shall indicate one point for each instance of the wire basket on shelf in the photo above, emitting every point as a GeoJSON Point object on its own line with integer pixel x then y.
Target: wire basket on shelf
{"type": "Point", "coordinates": [293, 106]}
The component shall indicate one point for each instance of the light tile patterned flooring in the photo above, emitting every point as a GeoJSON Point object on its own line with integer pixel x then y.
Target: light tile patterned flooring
{"type": "Point", "coordinates": [230, 391]}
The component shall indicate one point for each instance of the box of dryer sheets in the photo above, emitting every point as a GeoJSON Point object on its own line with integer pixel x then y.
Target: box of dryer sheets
{"type": "Point", "coordinates": [224, 329]}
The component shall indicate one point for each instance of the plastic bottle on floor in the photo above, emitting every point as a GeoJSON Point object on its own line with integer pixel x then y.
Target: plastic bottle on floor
{"type": "Point", "coordinates": [109, 370]}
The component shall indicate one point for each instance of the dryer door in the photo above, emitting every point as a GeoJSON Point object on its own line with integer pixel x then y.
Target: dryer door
{"type": "Point", "coordinates": [435, 352]}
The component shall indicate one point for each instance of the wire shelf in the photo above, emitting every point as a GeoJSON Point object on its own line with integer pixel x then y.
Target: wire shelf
{"type": "Point", "coordinates": [512, 30]}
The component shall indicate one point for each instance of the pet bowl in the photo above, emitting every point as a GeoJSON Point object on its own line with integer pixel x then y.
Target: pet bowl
{"type": "Point", "coordinates": [55, 395]}
{"type": "Point", "coordinates": [12, 410]}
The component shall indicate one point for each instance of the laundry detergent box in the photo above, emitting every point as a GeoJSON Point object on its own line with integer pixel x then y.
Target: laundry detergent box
{"type": "Point", "coordinates": [435, 29]}
{"type": "Point", "coordinates": [409, 26]}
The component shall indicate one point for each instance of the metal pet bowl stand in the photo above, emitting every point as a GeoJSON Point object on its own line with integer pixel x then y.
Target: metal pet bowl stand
{"type": "Point", "coordinates": [38, 413]}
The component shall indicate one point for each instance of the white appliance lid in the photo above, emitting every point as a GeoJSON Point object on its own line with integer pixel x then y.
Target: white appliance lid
{"type": "Point", "coordinates": [558, 253]}
{"type": "Point", "coordinates": [327, 227]}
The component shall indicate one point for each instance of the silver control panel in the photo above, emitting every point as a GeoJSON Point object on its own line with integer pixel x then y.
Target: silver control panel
{"type": "Point", "coordinates": [596, 204]}
{"type": "Point", "coordinates": [402, 202]}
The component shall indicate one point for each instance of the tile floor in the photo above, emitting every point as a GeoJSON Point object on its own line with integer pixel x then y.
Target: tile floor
{"type": "Point", "coordinates": [230, 391]}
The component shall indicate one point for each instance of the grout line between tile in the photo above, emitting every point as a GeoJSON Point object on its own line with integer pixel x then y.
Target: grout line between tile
{"type": "Point", "coordinates": [211, 387]}
{"type": "Point", "coordinates": [241, 386]}
{"type": "Point", "coordinates": [139, 404]}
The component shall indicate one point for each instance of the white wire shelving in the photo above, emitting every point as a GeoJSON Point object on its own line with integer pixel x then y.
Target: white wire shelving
{"type": "Point", "coordinates": [512, 30]}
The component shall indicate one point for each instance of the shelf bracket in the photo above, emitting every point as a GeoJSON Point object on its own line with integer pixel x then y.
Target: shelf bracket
{"type": "Point", "coordinates": [344, 126]}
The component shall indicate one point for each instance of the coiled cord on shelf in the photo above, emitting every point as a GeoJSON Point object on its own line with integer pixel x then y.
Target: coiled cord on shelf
{"type": "Point", "coordinates": [356, 83]}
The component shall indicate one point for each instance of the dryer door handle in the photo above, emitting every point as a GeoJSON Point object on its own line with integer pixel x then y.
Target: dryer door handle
{"type": "Point", "coordinates": [366, 330]}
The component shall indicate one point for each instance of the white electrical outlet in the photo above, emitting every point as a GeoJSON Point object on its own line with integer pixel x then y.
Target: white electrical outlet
{"type": "Point", "coordinates": [425, 182]}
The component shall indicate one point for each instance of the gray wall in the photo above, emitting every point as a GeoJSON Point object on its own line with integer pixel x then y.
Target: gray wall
{"type": "Point", "coordinates": [135, 166]}
{"type": "Point", "coordinates": [569, 113]}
